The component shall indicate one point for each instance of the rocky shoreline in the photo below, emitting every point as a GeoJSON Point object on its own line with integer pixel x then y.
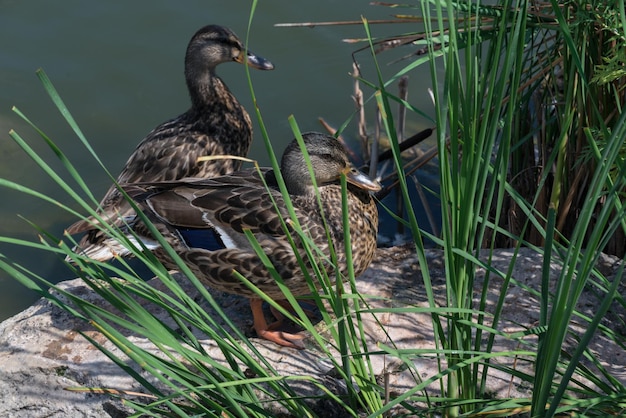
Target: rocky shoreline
{"type": "Point", "coordinates": [42, 352]}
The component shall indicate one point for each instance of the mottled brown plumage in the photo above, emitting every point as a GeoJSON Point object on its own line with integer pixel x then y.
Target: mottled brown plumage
{"type": "Point", "coordinates": [216, 124]}
{"type": "Point", "coordinates": [240, 201]}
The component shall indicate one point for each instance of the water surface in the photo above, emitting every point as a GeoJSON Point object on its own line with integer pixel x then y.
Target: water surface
{"type": "Point", "coordinates": [119, 68]}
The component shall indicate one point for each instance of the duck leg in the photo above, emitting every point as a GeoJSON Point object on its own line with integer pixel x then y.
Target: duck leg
{"type": "Point", "coordinates": [308, 306]}
{"type": "Point", "coordinates": [266, 331]}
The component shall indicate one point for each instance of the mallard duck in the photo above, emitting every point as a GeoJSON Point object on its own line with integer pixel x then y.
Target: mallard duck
{"type": "Point", "coordinates": [226, 206]}
{"type": "Point", "coordinates": [216, 124]}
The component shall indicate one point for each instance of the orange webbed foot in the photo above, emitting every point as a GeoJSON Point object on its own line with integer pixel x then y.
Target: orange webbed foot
{"type": "Point", "coordinates": [269, 332]}
{"type": "Point", "coordinates": [282, 338]}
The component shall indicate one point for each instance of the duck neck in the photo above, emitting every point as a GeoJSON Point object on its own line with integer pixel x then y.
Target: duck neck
{"type": "Point", "coordinates": [206, 90]}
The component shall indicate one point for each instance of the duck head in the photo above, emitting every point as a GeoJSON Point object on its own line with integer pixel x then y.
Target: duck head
{"type": "Point", "coordinates": [213, 45]}
{"type": "Point", "coordinates": [329, 160]}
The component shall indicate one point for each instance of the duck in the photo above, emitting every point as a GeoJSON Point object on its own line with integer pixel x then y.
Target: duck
{"type": "Point", "coordinates": [215, 124]}
{"type": "Point", "coordinates": [223, 208]}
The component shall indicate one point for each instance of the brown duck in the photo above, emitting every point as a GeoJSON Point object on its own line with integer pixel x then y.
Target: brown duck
{"type": "Point", "coordinates": [216, 124]}
{"type": "Point", "coordinates": [226, 206]}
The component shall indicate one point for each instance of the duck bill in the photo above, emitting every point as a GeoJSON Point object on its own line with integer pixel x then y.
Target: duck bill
{"type": "Point", "coordinates": [362, 180]}
{"type": "Point", "coordinates": [255, 61]}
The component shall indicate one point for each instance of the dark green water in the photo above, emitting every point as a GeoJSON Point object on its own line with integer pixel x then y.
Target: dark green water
{"type": "Point", "coordinates": [119, 68]}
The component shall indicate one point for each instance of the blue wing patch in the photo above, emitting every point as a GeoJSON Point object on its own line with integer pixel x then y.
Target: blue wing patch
{"type": "Point", "coordinates": [204, 238]}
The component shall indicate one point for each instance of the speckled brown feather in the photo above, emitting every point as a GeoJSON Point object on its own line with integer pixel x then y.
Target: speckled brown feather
{"type": "Point", "coordinates": [215, 268]}
{"type": "Point", "coordinates": [216, 124]}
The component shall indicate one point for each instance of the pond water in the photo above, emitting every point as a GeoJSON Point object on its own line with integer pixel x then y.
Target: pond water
{"type": "Point", "coordinates": [118, 67]}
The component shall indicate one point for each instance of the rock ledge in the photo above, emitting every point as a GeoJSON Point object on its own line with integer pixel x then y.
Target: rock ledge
{"type": "Point", "coordinates": [41, 351]}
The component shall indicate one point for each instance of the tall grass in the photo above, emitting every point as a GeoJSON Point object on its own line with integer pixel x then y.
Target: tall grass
{"type": "Point", "coordinates": [478, 59]}
{"type": "Point", "coordinates": [484, 52]}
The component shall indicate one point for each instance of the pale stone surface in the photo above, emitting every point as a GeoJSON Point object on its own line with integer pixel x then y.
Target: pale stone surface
{"type": "Point", "coordinates": [42, 351]}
